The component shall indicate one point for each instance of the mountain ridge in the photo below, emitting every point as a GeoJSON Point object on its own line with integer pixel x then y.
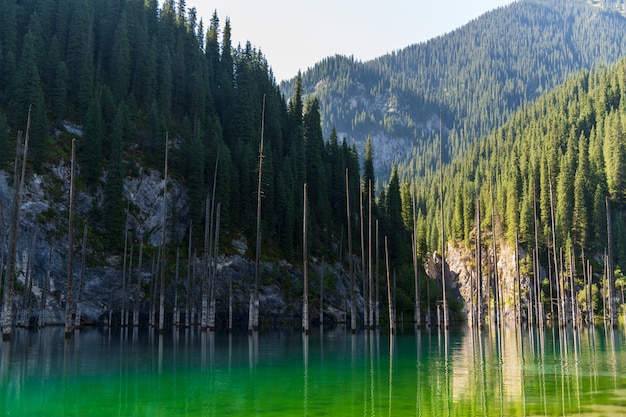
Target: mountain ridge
{"type": "Point", "coordinates": [475, 77]}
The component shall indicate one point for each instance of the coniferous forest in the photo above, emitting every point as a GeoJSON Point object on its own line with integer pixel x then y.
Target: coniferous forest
{"type": "Point", "coordinates": [129, 74]}
{"type": "Point", "coordinates": [541, 166]}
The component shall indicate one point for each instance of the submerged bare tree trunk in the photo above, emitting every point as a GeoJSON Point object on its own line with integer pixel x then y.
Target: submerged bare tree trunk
{"type": "Point", "coordinates": [479, 275]}
{"type": "Point", "coordinates": [163, 240]}
{"type": "Point", "coordinates": [322, 293]}
{"type": "Point", "coordinates": [188, 292]}
{"type": "Point", "coordinates": [305, 297]}
{"type": "Point", "coordinates": [70, 264]}
{"type": "Point", "coordinates": [443, 243]}
{"type": "Point", "coordinates": [254, 305]}
{"type": "Point", "coordinates": [44, 293]}
{"type": "Point", "coordinates": [81, 282]}
{"type": "Point", "coordinates": [28, 284]}
{"type": "Point", "coordinates": [370, 270]}
{"type": "Point", "coordinates": [416, 312]}
{"type": "Point", "coordinates": [363, 267]}
{"type": "Point", "coordinates": [204, 312]}
{"type": "Point", "coordinates": [392, 320]}
{"type": "Point", "coordinates": [124, 271]}
{"type": "Point", "coordinates": [7, 298]}
{"type": "Point", "coordinates": [377, 302]}
{"type": "Point", "coordinates": [139, 279]}
{"type": "Point", "coordinates": [176, 317]}
{"type": "Point", "coordinates": [212, 302]}
{"type": "Point", "coordinates": [350, 266]}
{"type": "Point", "coordinates": [609, 268]}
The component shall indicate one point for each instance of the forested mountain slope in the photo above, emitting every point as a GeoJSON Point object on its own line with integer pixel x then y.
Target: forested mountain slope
{"type": "Point", "coordinates": [127, 75]}
{"type": "Point", "coordinates": [559, 162]}
{"type": "Point", "coordinates": [476, 76]}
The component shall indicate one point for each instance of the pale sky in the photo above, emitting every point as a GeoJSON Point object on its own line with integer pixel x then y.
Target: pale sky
{"type": "Point", "coordinates": [294, 34]}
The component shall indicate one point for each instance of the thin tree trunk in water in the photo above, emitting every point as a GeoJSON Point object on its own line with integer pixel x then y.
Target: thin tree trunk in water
{"type": "Point", "coordinates": [254, 305]}
{"type": "Point", "coordinates": [610, 275]}
{"type": "Point", "coordinates": [124, 270]}
{"type": "Point", "coordinates": [363, 267]}
{"type": "Point", "coordinates": [81, 281]}
{"type": "Point", "coordinates": [518, 284]}
{"type": "Point", "coordinates": [28, 284]}
{"type": "Point", "coordinates": [194, 318]}
{"type": "Point", "coordinates": [44, 296]}
{"type": "Point", "coordinates": [496, 281]}
{"type": "Point", "coordinates": [153, 283]}
{"type": "Point", "coordinates": [70, 264]}
{"type": "Point", "coordinates": [212, 305]}
{"type": "Point", "coordinates": [392, 323]}
{"type": "Point", "coordinates": [230, 302]}
{"type": "Point", "coordinates": [139, 282]}
{"type": "Point", "coordinates": [557, 279]}
{"type": "Point", "coordinates": [129, 292]}
{"type": "Point", "coordinates": [562, 288]}
{"type": "Point", "coordinates": [350, 267]}
{"type": "Point", "coordinates": [163, 241]}
{"type": "Point", "coordinates": [537, 277]}
{"type": "Point", "coordinates": [370, 265]}
{"type": "Point", "coordinates": [417, 317]}
{"type": "Point", "coordinates": [176, 316]}
{"type": "Point", "coordinates": [7, 301]}
{"type": "Point", "coordinates": [377, 302]}
{"type": "Point", "coordinates": [322, 293]}
{"type": "Point", "coordinates": [590, 278]}
{"type": "Point", "coordinates": [604, 285]}
{"type": "Point", "coordinates": [214, 232]}
{"type": "Point", "coordinates": [204, 313]}
{"type": "Point", "coordinates": [551, 301]}
{"type": "Point", "coordinates": [443, 243]}
{"type": "Point", "coordinates": [305, 297]}
{"type": "Point", "coordinates": [572, 292]}
{"type": "Point", "coordinates": [188, 291]}
{"type": "Point", "coordinates": [479, 263]}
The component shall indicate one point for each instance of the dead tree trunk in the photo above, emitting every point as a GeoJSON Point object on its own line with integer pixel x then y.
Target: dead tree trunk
{"type": "Point", "coordinates": [81, 280]}
{"type": "Point", "coordinates": [7, 301]}
{"type": "Point", "coordinates": [70, 264]}
{"type": "Point", "coordinates": [350, 266]}
{"type": "Point", "coordinates": [163, 241]}
{"type": "Point", "coordinates": [305, 297]}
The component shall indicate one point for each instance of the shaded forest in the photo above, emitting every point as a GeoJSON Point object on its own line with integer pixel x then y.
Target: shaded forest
{"type": "Point", "coordinates": [128, 74]}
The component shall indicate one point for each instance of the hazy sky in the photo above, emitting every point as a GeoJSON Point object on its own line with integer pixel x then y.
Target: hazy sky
{"type": "Point", "coordinates": [294, 34]}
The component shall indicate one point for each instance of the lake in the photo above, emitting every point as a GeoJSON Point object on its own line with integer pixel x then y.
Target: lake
{"type": "Point", "coordinates": [137, 372]}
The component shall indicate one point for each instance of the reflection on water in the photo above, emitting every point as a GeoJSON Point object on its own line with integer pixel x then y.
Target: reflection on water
{"type": "Point", "coordinates": [137, 372]}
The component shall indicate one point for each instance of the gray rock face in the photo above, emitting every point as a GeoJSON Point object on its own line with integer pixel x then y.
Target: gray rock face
{"type": "Point", "coordinates": [108, 290]}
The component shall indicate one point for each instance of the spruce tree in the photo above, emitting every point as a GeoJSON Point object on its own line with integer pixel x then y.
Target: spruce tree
{"type": "Point", "coordinates": [91, 151]}
{"type": "Point", "coordinates": [113, 205]}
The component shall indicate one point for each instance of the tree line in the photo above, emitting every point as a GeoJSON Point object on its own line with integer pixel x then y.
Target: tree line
{"type": "Point", "coordinates": [130, 73]}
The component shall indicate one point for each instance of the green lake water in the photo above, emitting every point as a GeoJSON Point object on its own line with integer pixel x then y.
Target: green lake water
{"type": "Point", "coordinates": [136, 372]}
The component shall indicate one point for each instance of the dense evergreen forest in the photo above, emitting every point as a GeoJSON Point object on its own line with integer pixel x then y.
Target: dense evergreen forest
{"type": "Point", "coordinates": [133, 77]}
{"type": "Point", "coordinates": [546, 178]}
{"type": "Point", "coordinates": [130, 74]}
{"type": "Point", "coordinates": [476, 76]}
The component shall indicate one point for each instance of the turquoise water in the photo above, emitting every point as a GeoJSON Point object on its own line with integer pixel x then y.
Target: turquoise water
{"type": "Point", "coordinates": [136, 372]}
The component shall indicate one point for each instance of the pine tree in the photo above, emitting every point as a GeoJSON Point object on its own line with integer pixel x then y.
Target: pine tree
{"type": "Point", "coordinates": [113, 205]}
{"type": "Point", "coordinates": [120, 62]}
{"type": "Point", "coordinates": [582, 197]}
{"type": "Point", "coordinates": [91, 152]}
{"type": "Point", "coordinates": [28, 93]}
{"type": "Point", "coordinates": [396, 232]}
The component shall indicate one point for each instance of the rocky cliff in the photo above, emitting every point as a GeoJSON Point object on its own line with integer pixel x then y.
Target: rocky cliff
{"type": "Point", "coordinates": [42, 261]}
